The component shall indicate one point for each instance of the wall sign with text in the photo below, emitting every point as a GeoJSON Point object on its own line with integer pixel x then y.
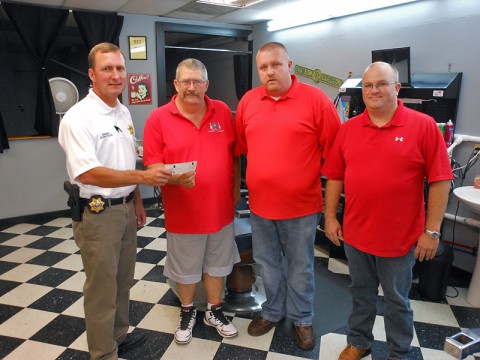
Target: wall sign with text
{"type": "Point", "coordinates": [317, 76]}
{"type": "Point", "coordinates": [139, 86]}
{"type": "Point", "coordinates": [138, 47]}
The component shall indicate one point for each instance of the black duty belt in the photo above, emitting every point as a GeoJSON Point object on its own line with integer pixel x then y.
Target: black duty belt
{"type": "Point", "coordinates": [97, 203]}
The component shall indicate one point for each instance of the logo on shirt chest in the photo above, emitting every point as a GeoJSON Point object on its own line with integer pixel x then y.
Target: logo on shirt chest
{"type": "Point", "coordinates": [215, 127]}
{"type": "Point", "coordinates": [399, 138]}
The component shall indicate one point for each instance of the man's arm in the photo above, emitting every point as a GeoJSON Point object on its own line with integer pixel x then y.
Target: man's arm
{"type": "Point", "coordinates": [110, 178]}
{"type": "Point", "coordinates": [186, 180]}
{"type": "Point", "coordinates": [333, 229]}
{"type": "Point", "coordinates": [437, 204]}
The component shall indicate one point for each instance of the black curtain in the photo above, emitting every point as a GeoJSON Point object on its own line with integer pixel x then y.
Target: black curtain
{"type": "Point", "coordinates": [96, 28]}
{"type": "Point", "coordinates": [3, 136]}
{"type": "Point", "coordinates": [243, 74]}
{"type": "Point", "coordinates": [39, 28]}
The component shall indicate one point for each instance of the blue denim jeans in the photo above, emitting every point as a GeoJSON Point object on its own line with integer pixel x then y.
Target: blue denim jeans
{"type": "Point", "coordinates": [395, 275]}
{"type": "Point", "coordinates": [283, 249]}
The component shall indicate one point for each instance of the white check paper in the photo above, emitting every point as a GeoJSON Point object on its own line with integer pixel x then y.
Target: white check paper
{"type": "Point", "coordinates": [180, 168]}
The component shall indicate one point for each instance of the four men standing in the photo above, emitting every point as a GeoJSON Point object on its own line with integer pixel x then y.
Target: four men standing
{"type": "Point", "coordinates": [286, 129]}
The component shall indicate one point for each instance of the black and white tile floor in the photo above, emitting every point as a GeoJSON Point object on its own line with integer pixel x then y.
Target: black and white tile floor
{"type": "Point", "coordinates": [41, 313]}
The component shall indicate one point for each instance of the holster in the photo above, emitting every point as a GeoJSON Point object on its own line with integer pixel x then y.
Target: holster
{"type": "Point", "coordinates": [74, 201]}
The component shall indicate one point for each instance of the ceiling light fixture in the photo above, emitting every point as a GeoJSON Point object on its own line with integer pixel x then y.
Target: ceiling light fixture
{"type": "Point", "coordinates": [311, 11]}
{"type": "Point", "coordinates": [231, 3]}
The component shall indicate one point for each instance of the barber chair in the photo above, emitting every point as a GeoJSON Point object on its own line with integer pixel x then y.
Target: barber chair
{"type": "Point", "coordinates": [244, 292]}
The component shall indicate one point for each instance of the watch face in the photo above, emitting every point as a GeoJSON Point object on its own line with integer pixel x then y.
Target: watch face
{"type": "Point", "coordinates": [433, 234]}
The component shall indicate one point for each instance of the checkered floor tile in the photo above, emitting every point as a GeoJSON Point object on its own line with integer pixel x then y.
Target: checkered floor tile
{"type": "Point", "coordinates": [41, 312]}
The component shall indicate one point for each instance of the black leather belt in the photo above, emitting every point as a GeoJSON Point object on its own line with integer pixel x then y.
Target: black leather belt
{"type": "Point", "coordinates": [122, 200]}
{"type": "Point", "coordinates": [98, 203]}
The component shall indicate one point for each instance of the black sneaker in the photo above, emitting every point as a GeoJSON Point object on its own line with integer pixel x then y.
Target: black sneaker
{"type": "Point", "coordinates": [187, 320]}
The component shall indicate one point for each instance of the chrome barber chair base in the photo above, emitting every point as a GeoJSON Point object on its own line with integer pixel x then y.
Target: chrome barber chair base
{"type": "Point", "coordinates": [238, 303]}
{"type": "Point", "coordinates": [246, 302]}
{"type": "Point", "coordinates": [464, 343]}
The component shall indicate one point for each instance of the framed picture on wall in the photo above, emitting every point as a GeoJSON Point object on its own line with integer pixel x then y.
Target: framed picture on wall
{"type": "Point", "coordinates": [138, 47]}
{"type": "Point", "coordinates": [139, 89]}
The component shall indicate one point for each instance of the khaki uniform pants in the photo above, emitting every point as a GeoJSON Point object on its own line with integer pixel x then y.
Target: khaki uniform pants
{"type": "Point", "coordinates": [108, 247]}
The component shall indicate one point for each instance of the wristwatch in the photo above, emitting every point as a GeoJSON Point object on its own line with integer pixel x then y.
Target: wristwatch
{"type": "Point", "coordinates": [433, 234]}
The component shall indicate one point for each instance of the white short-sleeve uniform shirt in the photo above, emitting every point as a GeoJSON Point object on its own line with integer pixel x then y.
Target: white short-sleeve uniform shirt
{"type": "Point", "coordinates": [93, 134]}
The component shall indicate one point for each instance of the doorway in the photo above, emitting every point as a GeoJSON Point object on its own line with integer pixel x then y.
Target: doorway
{"type": "Point", "coordinates": [226, 53]}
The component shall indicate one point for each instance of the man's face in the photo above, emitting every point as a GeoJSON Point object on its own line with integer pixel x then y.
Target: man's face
{"type": "Point", "coordinates": [383, 94]}
{"type": "Point", "coordinates": [108, 76]}
{"type": "Point", "coordinates": [274, 69]}
{"type": "Point", "coordinates": [191, 86]}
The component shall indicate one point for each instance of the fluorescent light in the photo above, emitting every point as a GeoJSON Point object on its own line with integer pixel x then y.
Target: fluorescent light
{"type": "Point", "coordinates": [231, 3]}
{"type": "Point", "coordinates": [310, 11]}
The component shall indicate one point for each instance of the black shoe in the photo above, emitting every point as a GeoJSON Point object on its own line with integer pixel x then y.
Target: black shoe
{"type": "Point", "coordinates": [131, 342]}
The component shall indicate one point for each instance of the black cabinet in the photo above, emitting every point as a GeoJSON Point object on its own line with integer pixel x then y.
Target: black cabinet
{"type": "Point", "coordinates": [435, 94]}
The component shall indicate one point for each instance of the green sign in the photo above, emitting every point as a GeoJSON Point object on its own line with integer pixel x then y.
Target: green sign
{"type": "Point", "coordinates": [317, 76]}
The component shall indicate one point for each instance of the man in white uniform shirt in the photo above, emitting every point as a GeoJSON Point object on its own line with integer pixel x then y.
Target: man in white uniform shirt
{"type": "Point", "coordinates": [97, 136]}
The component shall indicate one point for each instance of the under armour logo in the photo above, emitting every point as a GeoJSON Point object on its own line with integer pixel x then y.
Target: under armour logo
{"type": "Point", "coordinates": [398, 138]}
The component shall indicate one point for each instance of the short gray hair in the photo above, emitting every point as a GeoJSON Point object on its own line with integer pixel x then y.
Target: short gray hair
{"type": "Point", "coordinates": [192, 64]}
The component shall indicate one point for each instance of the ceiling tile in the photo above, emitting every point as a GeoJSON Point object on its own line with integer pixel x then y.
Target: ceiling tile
{"type": "Point", "coordinates": [152, 7]}
{"type": "Point", "coordinates": [99, 5]}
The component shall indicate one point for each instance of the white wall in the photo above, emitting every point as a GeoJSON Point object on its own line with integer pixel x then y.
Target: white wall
{"type": "Point", "coordinates": [32, 173]}
{"type": "Point", "coordinates": [439, 33]}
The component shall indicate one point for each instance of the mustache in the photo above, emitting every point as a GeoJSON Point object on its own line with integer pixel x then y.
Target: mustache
{"type": "Point", "coordinates": [191, 93]}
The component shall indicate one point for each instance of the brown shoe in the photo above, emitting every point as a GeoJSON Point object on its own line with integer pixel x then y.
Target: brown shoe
{"type": "Point", "coordinates": [305, 337]}
{"type": "Point", "coordinates": [260, 326]}
{"type": "Point", "coordinates": [353, 353]}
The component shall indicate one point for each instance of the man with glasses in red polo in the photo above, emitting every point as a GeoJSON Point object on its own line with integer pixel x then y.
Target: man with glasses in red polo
{"type": "Point", "coordinates": [198, 204]}
{"type": "Point", "coordinates": [381, 159]}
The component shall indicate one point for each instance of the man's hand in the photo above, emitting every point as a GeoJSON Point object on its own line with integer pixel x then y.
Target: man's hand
{"type": "Point", "coordinates": [141, 214]}
{"type": "Point", "coordinates": [186, 180]}
{"type": "Point", "coordinates": [333, 230]}
{"type": "Point", "coordinates": [426, 248]}
{"type": "Point", "coordinates": [157, 176]}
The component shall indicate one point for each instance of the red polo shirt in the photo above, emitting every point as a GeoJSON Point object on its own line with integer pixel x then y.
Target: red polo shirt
{"type": "Point", "coordinates": [171, 138]}
{"type": "Point", "coordinates": [383, 170]}
{"type": "Point", "coordinates": [285, 141]}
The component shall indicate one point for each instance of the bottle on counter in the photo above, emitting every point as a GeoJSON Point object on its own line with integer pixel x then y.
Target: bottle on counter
{"type": "Point", "coordinates": [449, 133]}
{"type": "Point", "coordinates": [441, 126]}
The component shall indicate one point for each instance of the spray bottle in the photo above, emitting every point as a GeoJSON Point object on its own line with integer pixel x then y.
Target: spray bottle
{"type": "Point", "coordinates": [449, 133]}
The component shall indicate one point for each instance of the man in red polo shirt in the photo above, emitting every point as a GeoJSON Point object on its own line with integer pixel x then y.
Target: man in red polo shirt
{"type": "Point", "coordinates": [381, 158]}
{"type": "Point", "coordinates": [198, 205]}
{"type": "Point", "coordinates": [286, 129]}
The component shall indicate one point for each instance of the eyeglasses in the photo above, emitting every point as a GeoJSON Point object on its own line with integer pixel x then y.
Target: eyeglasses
{"type": "Point", "coordinates": [379, 86]}
{"type": "Point", "coordinates": [187, 83]}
